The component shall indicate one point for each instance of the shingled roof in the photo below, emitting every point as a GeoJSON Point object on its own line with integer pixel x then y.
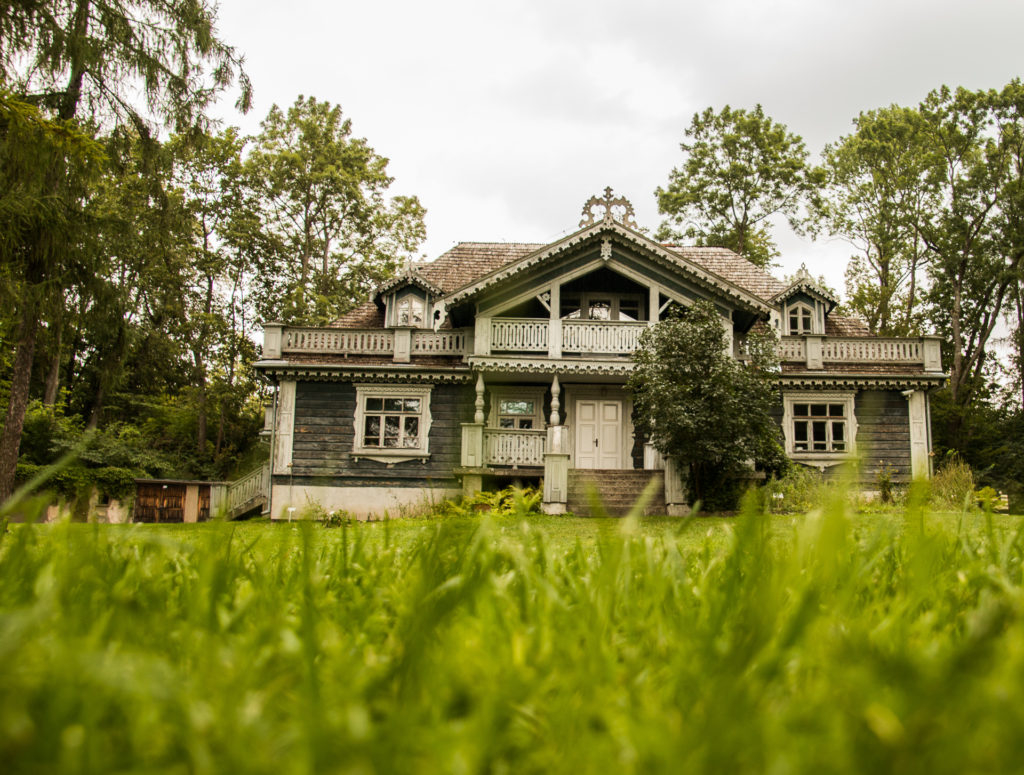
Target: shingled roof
{"type": "Point", "coordinates": [467, 262]}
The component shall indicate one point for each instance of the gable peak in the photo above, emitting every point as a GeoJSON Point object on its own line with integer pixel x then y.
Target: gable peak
{"type": "Point", "coordinates": [611, 208]}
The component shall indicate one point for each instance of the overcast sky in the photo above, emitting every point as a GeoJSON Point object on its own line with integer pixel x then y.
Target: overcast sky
{"type": "Point", "coordinates": [505, 117]}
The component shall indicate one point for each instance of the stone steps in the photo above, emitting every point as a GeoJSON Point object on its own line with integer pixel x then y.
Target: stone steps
{"type": "Point", "coordinates": [617, 491]}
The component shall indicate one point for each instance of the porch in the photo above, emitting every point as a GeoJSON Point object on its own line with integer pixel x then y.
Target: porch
{"type": "Point", "coordinates": [576, 440]}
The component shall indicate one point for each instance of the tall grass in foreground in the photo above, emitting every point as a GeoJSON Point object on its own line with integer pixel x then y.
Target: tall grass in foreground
{"type": "Point", "coordinates": [477, 647]}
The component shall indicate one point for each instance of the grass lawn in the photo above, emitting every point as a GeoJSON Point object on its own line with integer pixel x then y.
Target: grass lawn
{"type": "Point", "coordinates": [833, 642]}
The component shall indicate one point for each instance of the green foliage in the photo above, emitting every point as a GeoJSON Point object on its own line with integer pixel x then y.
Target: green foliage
{"type": "Point", "coordinates": [952, 486]}
{"type": "Point", "coordinates": [321, 194]}
{"type": "Point", "coordinates": [509, 502]}
{"type": "Point", "coordinates": [796, 491]}
{"type": "Point", "coordinates": [740, 169]}
{"type": "Point", "coordinates": [886, 485]}
{"type": "Point", "coordinates": [698, 403]}
{"type": "Point", "coordinates": [498, 646]}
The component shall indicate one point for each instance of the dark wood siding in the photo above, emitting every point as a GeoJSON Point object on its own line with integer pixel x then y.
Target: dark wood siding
{"type": "Point", "coordinates": [883, 433]}
{"type": "Point", "coordinates": [324, 431]}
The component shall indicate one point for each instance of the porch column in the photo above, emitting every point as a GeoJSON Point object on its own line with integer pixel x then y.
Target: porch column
{"type": "Point", "coordinates": [285, 427]}
{"type": "Point", "coordinates": [473, 442]}
{"type": "Point", "coordinates": [917, 405]}
{"type": "Point", "coordinates": [653, 304]}
{"type": "Point", "coordinates": [555, 322]}
{"type": "Point", "coordinates": [675, 488]}
{"type": "Point", "coordinates": [556, 457]}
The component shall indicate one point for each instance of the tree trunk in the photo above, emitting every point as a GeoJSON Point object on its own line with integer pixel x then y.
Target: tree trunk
{"type": "Point", "coordinates": [10, 438]}
{"type": "Point", "coordinates": [53, 375]}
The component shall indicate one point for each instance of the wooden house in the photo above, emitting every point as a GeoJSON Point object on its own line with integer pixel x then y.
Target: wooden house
{"type": "Point", "coordinates": [507, 361]}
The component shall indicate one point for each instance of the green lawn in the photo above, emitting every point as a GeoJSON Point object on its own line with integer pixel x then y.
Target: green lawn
{"type": "Point", "coordinates": [832, 642]}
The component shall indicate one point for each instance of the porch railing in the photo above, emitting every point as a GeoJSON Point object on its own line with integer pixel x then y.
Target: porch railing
{"type": "Point", "coordinates": [439, 342]}
{"type": "Point", "coordinates": [251, 489]}
{"type": "Point", "coordinates": [508, 447]}
{"type": "Point", "coordinates": [857, 350]}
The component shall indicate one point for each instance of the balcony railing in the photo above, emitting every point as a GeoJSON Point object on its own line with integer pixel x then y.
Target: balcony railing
{"type": "Point", "coordinates": [337, 341]}
{"type": "Point", "coordinates": [601, 337]}
{"type": "Point", "coordinates": [584, 337]}
{"type": "Point", "coordinates": [508, 447]}
{"type": "Point", "coordinates": [577, 338]}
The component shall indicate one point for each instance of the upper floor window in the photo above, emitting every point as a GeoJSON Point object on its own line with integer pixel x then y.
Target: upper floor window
{"type": "Point", "coordinates": [410, 311]}
{"type": "Point", "coordinates": [800, 319]}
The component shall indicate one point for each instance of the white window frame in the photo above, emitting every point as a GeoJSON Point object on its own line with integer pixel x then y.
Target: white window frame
{"type": "Point", "coordinates": [512, 393]}
{"type": "Point", "coordinates": [389, 454]}
{"type": "Point", "coordinates": [800, 308]}
{"type": "Point", "coordinates": [844, 397]}
{"type": "Point", "coordinates": [412, 298]}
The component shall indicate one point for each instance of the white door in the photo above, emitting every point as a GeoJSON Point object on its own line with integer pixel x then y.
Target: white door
{"type": "Point", "coordinates": [598, 433]}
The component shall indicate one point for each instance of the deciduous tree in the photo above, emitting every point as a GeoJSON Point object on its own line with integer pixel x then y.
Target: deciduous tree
{"type": "Point", "coordinates": [700, 404]}
{"type": "Point", "coordinates": [740, 170]}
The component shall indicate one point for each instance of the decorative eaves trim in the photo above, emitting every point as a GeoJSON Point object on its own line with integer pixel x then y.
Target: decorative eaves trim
{"type": "Point", "coordinates": [364, 372]}
{"type": "Point", "coordinates": [886, 381]}
{"type": "Point", "coordinates": [651, 248]}
{"type": "Point", "coordinates": [546, 366]}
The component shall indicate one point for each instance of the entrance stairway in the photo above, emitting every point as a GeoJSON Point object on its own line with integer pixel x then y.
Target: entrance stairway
{"type": "Point", "coordinates": [246, 495]}
{"type": "Point", "coordinates": [612, 491]}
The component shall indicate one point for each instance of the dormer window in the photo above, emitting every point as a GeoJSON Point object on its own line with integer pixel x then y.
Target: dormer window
{"type": "Point", "coordinates": [409, 311]}
{"type": "Point", "coordinates": [800, 317]}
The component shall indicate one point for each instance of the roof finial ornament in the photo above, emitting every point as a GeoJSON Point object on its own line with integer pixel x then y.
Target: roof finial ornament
{"type": "Point", "coordinates": [803, 273]}
{"type": "Point", "coordinates": [613, 209]}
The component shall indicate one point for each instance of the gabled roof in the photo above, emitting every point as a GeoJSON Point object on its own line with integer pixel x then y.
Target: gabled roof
{"type": "Point", "coordinates": [803, 282]}
{"type": "Point", "coordinates": [611, 229]}
{"type": "Point", "coordinates": [468, 262]}
{"type": "Point", "coordinates": [411, 276]}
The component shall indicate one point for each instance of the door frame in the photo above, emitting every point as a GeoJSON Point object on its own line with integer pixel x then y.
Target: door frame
{"type": "Point", "coordinates": [573, 393]}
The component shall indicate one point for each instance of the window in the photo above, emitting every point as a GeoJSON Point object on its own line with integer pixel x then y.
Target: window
{"type": "Point", "coordinates": [392, 421]}
{"type": "Point", "coordinates": [819, 424]}
{"type": "Point", "coordinates": [409, 311]}
{"type": "Point", "coordinates": [800, 317]}
{"type": "Point", "coordinates": [601, 306]}
{"type": "Point", "coordinates": [518, 409]}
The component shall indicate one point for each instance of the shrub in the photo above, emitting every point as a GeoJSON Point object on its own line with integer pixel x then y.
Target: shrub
{"type": "Point", "coordinates": [953, 485]}
{"type": "Point", "coordinates": [799, 489]}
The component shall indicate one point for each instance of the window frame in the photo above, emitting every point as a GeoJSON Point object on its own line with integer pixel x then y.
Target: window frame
{"type": "Point", "coordinates": [536, 395]}
{"type": "Point", "coordinates": [391, 454]}
{"type": "Point", "coordinates": [789, 418]}
{"type": "Point", "coordinates": [801, 309]}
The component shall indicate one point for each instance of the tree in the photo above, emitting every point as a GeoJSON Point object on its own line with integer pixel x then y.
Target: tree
{"type": "Point", "coordinates": [740, 170]}
{"type": "Point", "coordinates": [323, 197]}
{"type": "Point", "coordinates": [873, 197]}
{"type": "Point", "coordinates": [103, 55]}
{"type": "Point", "coordinates": [700, 404]}
{"type": "Point", "coordinates": [974, 248]}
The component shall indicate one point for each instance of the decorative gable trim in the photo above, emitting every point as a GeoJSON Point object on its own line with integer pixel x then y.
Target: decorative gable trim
{"type": "Point", "coordinates": [805, 283]}
{"type": "Point", "coordinates": [409, 277]}
{"type": "Point", "coordinates": [611, 232]}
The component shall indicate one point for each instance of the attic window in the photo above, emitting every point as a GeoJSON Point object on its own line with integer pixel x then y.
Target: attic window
{"type": "Point", "coordinates": [409, 312]}
{"type": "Point", "coordinates": [800, 318]}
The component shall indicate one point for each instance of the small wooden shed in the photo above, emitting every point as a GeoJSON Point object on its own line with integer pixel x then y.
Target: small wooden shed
{"type": "Point", "coordinates": [177, 500]}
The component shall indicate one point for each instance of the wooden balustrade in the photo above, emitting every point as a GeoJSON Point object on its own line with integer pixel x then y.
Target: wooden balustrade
{"type": "Point", "coordinates": [338, 341]}
{"type": "Point", "coordinates": [252, 487]}
{"type": "Point", "coordinates": [860, 349]}
{"type": "Point", "coordinates": [509, 447]}
{"type": "Point", "coordinates": [439, 342]}
{"type": "Point", "coordinates": [519, 335]}
{"type": "Point", "coordinates": [601, 337]}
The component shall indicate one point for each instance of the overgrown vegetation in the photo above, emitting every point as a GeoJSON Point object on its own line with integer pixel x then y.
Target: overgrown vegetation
{"type": "Point", "coordinates": [809, 644]}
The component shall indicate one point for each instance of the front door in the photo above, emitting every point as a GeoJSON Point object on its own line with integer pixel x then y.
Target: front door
{"type": "Point", "coordinates": [598, 433]}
